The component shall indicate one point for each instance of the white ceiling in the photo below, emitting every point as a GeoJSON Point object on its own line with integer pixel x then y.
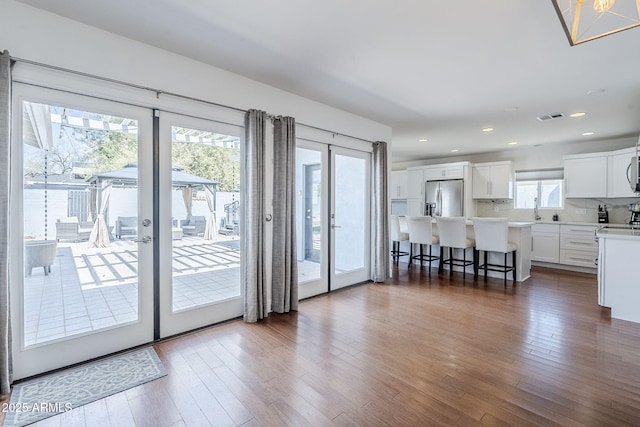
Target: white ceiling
{"type": "Point", "coordinates": [441, 70]}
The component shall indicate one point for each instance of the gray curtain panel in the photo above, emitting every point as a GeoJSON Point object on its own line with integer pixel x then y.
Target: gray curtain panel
{"type": "Point", "coordinates": [285, 266]}
{"type": "Point", "coordinates": [253, 216]}
{"type": "Point", "coordinates": [380, 211]}
{"type": "Point", "coordinates": [5, 134]}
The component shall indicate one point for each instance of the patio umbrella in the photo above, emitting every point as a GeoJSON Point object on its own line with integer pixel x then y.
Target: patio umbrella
{"type": "Point", "coordinates": [38, 133]}
{"type": "Point", "coordinates": [99, 237]}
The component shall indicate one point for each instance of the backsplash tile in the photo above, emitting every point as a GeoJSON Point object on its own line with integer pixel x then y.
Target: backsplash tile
{"type": "Point", "coordinates": [618, 210]}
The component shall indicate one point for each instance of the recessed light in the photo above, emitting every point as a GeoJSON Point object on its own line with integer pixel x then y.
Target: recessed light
{"type": "Point", "coordinates": [578, 114]}
{"type": "Point", "coordinates": [512, 143]}
{"type": "Point", "coordinates": [455, 150]}
{"type": "Point", "coordinates": [423, 140]}
{"type": "Point", "coordinates": [588, 133]}
{"type": "Point", "coordinates": [487, 129]}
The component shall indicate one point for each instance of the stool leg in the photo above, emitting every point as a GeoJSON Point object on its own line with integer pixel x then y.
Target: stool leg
{"type": "Point", "coordinates": [475, 264]}
{"type": "Point", "coordinates": [464, 263]}
{"type": "Point", "coordinates": [505, 270]}
{"type": "Point", "coordinates": [450, 262]}
{"type": "Point", "coordinates": [513, 260]}
{"type": "Point", "coordinates": [410, 253]}
{"type": "Point", "coordinates": [485, 265]}
{"type": "Point", "coordinates": [430, 259]}
{"type": "Point", "coordinates": [441, 265]}
{"type": "Point", "coordinates": [421, 260]}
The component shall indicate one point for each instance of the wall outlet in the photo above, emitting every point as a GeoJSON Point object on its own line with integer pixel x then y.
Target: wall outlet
{"type": "Point", "coordinates": [496, 208]}
{"type": "Point", "coordinates": [581, 211]}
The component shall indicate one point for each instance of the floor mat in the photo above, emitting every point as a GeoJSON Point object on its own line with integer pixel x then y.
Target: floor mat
{"type": "Point", "coordinates": [43, 397]}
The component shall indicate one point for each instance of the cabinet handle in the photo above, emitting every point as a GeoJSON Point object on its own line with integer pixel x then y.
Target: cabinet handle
{"type": "Point", "coordinates": [573, 242]}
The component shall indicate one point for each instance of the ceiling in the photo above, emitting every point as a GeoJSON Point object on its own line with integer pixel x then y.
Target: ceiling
{"type": "Point", "coordinates": [440, 70]}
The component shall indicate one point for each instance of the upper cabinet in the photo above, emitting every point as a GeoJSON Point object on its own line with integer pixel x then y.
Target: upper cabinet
{"type": "Point", "coordinates": [618, 173]}
{"type": "Point", "coordinates": [586, 175]}
{"type": "Point", "coordinates": [445, 171]}
{"type": "Point", "coordinates": [415, 184]}
{"type": "Point", "coordinates": [398, 185]}
{"type": "Point", "coordinates": [493, 180]}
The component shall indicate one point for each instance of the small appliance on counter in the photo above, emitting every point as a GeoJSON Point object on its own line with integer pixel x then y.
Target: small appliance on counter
{"type": "Point", "coordinates": [634, 221]}
{"type": "Point", "coordinates": [603, 215]}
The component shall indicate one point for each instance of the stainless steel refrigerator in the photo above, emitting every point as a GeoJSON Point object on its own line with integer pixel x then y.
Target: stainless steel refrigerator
{"type": "Point", "coordinates": [444, 198]}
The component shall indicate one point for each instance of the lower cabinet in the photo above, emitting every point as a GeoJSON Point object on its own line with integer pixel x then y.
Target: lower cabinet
{"type": "Point", "coordinates": [578, 245]}
{"type": "Point", "coordinates": [545, 243]}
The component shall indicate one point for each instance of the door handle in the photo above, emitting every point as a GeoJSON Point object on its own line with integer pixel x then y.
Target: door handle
{"type": "Point", "coordinates": [336, 226]}
{"type": "Point", "coordinates": [145, 239]}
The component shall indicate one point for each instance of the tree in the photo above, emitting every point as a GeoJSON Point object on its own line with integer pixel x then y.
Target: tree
{"type": "Point", "coordinates": [207, 161]}
{"type": "Point", "coordinates": [108, 150]}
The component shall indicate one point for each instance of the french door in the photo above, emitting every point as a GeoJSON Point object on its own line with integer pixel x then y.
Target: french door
{"type": "Point", "coordinates": [350, 217]}
{"type": "Point", "coordinates": [122, 239]}
{"type": "Point", "coordinates": [199, 213]}
{"type": "Point", "coordinates": [333, 217]}
{"type": "Point", "coordinates": [81, 225]}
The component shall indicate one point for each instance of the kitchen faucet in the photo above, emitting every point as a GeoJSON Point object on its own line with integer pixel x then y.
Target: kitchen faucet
{"type": "Point", "coordinates": [536, 215]}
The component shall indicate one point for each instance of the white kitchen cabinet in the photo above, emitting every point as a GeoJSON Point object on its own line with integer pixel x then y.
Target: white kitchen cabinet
{"type": "Point", "coordinates": [399, 185]}
{"type": "Point", "coordinates": [578, 245]}
{"type": "Point", "coordinates": [618, 173]}
{"type": "Point", "coordinates": [618, 269]}
{"type": "Point", "coordinates": [415, 207]}
{"type": "Point", "coordinates": [586, 176]}
{"type": "Point", "coordinates": [493, 180]}
{"type": "Point", "coordinates": [445, 171]}
{"type": "Point", "coordinates": [415, 183]}
{"type": "Point", "coordinates": [545, 243]}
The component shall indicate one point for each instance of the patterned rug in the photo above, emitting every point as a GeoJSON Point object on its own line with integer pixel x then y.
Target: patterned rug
{"type": "Point", "coordinates": [43, 397]}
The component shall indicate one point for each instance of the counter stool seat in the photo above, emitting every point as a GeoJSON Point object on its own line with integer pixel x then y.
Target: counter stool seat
{"type": "Point", "coordinates": [453, 235]}
{"type": "Point", "coordinates": [421, 233]}
{"type": "Point", "coordinates": [397, 236]}
{"type": "Point", "coordinates": [492, 235]}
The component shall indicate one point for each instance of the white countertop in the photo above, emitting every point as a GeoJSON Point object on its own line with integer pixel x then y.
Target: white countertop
{"type": "Point", "coordinates": [619, 233]}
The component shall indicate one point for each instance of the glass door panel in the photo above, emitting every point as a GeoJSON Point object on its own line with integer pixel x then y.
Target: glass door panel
{"type": "Point", "coordinates": [311, 217]}
{"type": "Point", "coordinates": [350, 217]}
{"type": "Point", "coordinates": [199, 219]}
{"type": "Point", "coordinates": [84, 184]}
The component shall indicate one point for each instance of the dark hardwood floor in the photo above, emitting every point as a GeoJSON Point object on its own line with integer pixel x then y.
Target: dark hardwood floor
{"type": "Point", "coordinates": [419, 350]}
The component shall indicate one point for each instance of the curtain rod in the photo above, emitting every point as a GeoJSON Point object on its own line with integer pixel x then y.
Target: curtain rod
{"type": "Point", "coordinates": [159, 92]}
{"type": "Point", "coordinates": [335, 133]}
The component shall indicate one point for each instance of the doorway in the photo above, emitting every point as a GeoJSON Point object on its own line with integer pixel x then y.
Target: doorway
{"type": "Point", "coordinates": [80, 292]}
{"type": "Point", "coordinates": [333, 217]}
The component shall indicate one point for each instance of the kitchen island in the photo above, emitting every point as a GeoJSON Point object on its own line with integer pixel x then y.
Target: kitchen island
{"type": "Point", "coordinates": [619, 272]}
{"type": "Point", "coordinates": [519, 233]}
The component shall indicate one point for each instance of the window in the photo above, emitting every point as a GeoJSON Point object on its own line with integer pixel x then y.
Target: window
{"type": "Point", "coordinates": [544, 185]}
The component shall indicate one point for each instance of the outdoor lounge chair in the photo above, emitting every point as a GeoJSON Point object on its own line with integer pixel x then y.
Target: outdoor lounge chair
{"type": "Point", "coordinates": [126, 226]}
{"type": "Point", "coordinates": [39, 253]}
{"type": "Point", "coordinates": [69, 228]}
{"type": "Point", "coordinates": [195, 226]}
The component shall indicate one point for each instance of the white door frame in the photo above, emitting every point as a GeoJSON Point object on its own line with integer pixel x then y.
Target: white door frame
{"type": "Point", "coordinates": [47, 356]}
{"type": "Point", "coordinates": [337, 281]}
{"type": "Point", "coordinates": [171, 322]}
{"type": "Point", "coordinates": [319, 285]}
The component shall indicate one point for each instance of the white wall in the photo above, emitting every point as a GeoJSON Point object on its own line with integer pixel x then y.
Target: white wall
{"type": "Point", "coordinates": [35, 35]}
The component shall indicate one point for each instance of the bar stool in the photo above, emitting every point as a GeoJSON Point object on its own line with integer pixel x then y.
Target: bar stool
{"type": "Point", "coordinates": [492, 235]}
{"type": "Point", "coordinates": [421, 233]}
{"type": "Point", "coordinates": [397, 236]}
{"type": "Point", "coordinates": [453, 235]}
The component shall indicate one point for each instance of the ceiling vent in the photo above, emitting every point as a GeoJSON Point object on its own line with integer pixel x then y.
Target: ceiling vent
{"type": "Point", "coordinates": [550, 117]}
